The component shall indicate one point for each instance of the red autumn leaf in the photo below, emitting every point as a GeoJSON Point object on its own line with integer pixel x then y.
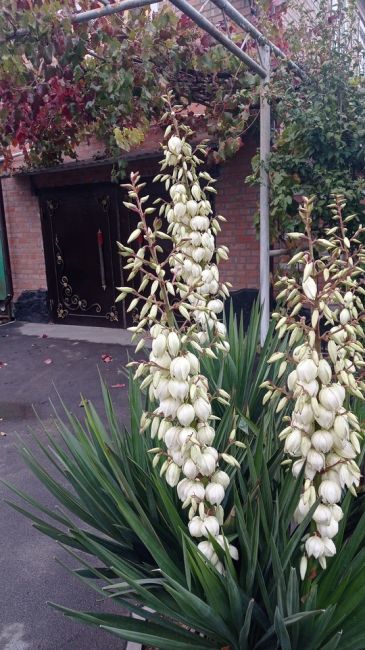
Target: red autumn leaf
{"type": "Point", "coordinates": [107, 358]}
{"type": "Point", "coordinates": [118, 386]}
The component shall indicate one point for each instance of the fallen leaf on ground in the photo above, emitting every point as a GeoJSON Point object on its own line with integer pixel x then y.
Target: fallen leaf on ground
{"type": "Point", "coordinates": [107, 358]}
{"type": "Point", "coordinates": [118, 386]}
{"type": "Point", "coordinates": [48, 361]}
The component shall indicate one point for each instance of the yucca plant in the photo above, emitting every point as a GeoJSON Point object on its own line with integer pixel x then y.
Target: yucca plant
{"type": "Point", "coordinates": [143, 558]}
{"type": "Point", "coordinates": [242, 584]}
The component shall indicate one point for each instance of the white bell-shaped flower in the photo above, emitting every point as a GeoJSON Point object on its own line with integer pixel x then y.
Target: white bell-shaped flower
{"type": "Point", "coordinates": [214, 493]}
{"type": "Point", "coordinates": [329, 491]}
{"type": "Point", "coordinates": [314, 546]}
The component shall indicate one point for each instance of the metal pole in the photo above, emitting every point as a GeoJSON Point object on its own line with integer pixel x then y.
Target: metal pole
{"type": "Point", "coordinates": [264, 51]}
{"type": "Point", "coordinates": [108, 10]}
{"type": "Point", "coordinates": [85, 16]}
{"type": "Point", "coordinates": [205, 24]}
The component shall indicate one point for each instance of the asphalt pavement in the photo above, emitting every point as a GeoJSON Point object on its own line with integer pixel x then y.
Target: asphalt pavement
{"type": "Point", "coordinates": [32, 367]}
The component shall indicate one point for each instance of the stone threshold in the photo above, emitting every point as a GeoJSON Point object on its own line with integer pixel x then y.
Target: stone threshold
{"type": "Point", "coordinates": [73, 332]}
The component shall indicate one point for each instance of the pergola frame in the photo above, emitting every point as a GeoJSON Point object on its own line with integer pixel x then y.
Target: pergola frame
{"type": "Point", "coordinates": [262, 68]}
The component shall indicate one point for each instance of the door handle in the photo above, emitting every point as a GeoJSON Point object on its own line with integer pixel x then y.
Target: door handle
{"type": "Point", "coordinates": [100, 240]}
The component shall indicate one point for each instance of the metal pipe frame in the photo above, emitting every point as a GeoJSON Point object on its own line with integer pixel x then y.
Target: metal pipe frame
{"type": "Point", "coordinates": [205, 24]}
{"type": "Point", "coordinates": [265, 142]}
{"type": "Point", "coordinates": [260, 39]}
{"type": "Point", "coordinates": [108, 10]}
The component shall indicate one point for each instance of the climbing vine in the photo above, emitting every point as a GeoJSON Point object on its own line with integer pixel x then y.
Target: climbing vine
{"type": "Point", "coordinates": [318, 138]}
{"type": "Point", "coordinates": [61, 83]}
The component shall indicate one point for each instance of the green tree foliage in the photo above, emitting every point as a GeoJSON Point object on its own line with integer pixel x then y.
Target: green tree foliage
{"type": "Point", "coordinates": [319, 121]}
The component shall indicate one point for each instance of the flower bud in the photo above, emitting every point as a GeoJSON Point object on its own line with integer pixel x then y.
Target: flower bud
{"type": "Point", "coordinates": [159, 345]}
{"type": "Point", "coordinates": [303, 566]}
{"type": "Point", "coordinates": [301, 511]}
{"type": "Point", "coordinates": [310, 288]}
{"type": "Point", "coordinates": [292, 380]}
{"type": "Point", "coordinates": [202, 409]}
{"type": "Point", "coordinates": [196, 192]}
{"type": "Point", "coordinates": [173, 344]}
{"type": "Point", "coordinates": [297, 467]}
{"type": "Point", "coordinates": [175, 145]}
{"type": "Point", "coordinates": [293, 442]}
{"type": "Point", "coordinates": [341, 426]}
{"type": "Point", "coordinates": [345, 316]}
{"type": "Point", "coordinates": [324, 371]}
{"type": "Point", "coordinates": [172, 475]}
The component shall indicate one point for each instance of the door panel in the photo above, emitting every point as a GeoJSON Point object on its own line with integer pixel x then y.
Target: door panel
{"type": "Point", "coordinates": [81, 225]}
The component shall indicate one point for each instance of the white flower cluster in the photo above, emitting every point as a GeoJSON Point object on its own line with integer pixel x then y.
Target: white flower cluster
{"type": "Point", "coordinates": [323, 434]}
{"type": "Point", "coordinates": [192, 229]}
{"type": "Point", "coordinates": [182, 421]}
{"type": "Point", "coordinates": [183, 418]}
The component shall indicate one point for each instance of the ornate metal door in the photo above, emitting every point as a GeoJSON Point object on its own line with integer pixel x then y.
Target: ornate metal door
{"type": "Point", "coordinates": [81, 225]}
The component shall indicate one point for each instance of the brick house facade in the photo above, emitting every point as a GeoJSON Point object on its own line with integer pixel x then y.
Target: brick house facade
{"type": "Point", "coordinates": [236, 200]}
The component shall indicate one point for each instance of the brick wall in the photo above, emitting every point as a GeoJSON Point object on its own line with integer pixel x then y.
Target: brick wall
{"type": "Point", "coordinates": [235, 200]}
{"type": "Point", "coordinates": [238, 202]}
{"type": "Point", "coordinates": [24, 235]}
